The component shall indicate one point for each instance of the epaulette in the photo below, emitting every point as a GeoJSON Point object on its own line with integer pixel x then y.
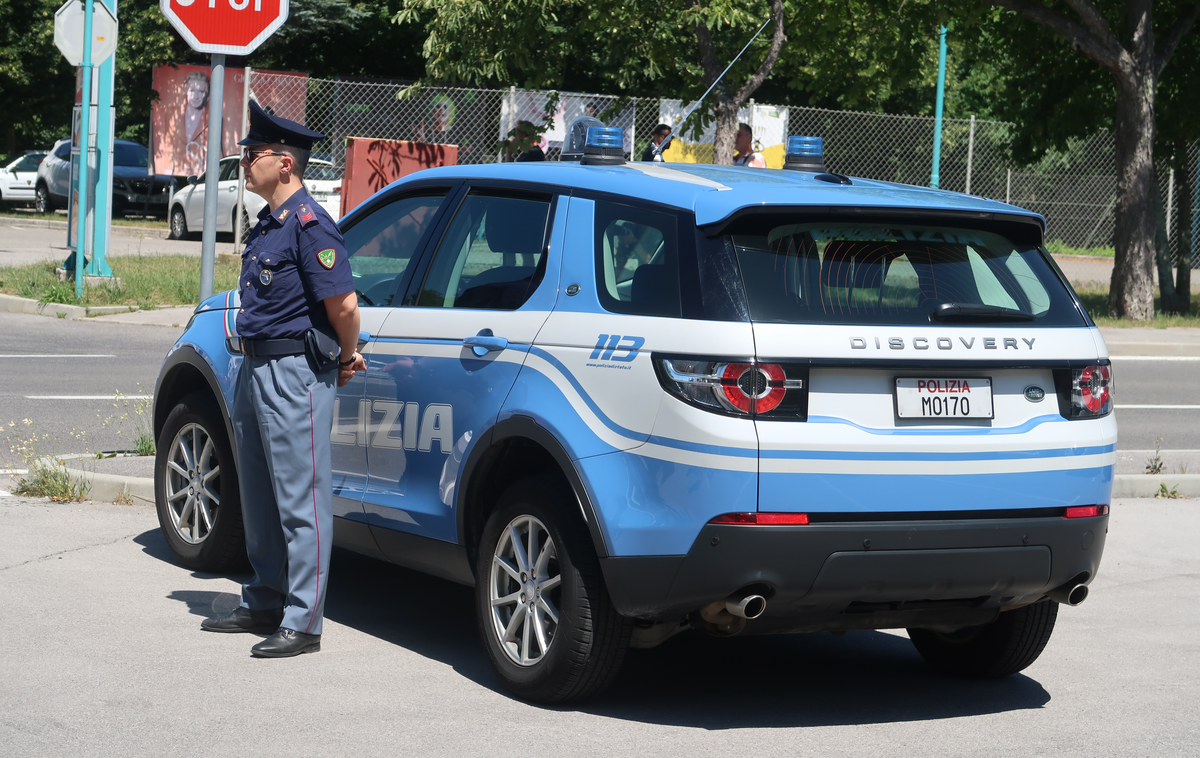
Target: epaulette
{"type": "Point", "coordinates": [306, 215]}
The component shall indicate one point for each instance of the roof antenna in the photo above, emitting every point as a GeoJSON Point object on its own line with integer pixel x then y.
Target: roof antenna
{"type": "Point", "coordinates": [659, 150]}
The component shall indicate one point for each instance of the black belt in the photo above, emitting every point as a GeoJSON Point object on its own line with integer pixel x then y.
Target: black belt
{"type": "Point", "coordinates": [268, 348]}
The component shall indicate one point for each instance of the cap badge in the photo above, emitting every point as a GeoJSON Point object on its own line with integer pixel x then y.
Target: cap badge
{"type": "Point", "coordinates": [265, 277]}
{"type": "Point", "coordinates": [327, 257]}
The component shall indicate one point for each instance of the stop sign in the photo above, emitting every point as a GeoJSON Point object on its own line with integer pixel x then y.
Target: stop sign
{"type": "Point", "coordinates": [229, 27]}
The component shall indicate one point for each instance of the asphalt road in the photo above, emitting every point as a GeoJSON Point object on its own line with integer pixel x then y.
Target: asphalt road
{"type": "Point", "coordinates": [63, 375]}
{"type": "Point", "coordinates": [103, 655]}
{"type": "Point", "coordinates": [128, 358]}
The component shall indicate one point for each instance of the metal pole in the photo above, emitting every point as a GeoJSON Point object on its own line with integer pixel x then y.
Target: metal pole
{"type": "Point", "coordinates": [935, 177]}
{"type": "Point", "coordinates": [1008, 186]}
{"type": "Point", "coordinates": [1170, 200]}
{"type": "Point", "coordinates": [970, 153]}
{"type": "Point", "coordinates": [105, 127]}
{"type": "Point", "coordinates": [208, 243]}
{"type": "Point", "coordinates": [241, 204]}
{"type": "Point", "coordinates": [85, 147]}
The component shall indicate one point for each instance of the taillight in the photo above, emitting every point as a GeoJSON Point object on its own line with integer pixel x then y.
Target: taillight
{"type": "Point", "coordinates": [762, 519]}
{"type": "Point", "coordinates": [736, 387]}
{"type": "Point", "coordinates": [1088, 394]}
{"type": "Point", "coordinates": [1086, 511]}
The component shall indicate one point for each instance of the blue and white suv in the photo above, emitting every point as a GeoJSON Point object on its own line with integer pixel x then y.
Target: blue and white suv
{"type": "Point", "coordinates": [628, 400]}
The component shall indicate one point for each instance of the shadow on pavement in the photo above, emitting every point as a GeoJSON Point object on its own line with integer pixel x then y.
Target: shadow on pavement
{"type": "Point", "coordinates": [692, 680]}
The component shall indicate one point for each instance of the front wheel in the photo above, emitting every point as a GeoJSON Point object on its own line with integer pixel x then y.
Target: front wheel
{"type": "Point", "coordinates": [544, 613]}
{"type": "Point", "coordinates": [178, 225]}
{"type": "Point", "coordinates": [196, 488]}
{"type": "Point", "coordinates": [1007, 645]}
{"type": "Point", "coordinates": [42, 203]}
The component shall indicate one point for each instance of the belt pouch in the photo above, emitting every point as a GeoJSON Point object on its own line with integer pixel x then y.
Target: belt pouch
{"type": "Point", "coordinates": [321, 350]}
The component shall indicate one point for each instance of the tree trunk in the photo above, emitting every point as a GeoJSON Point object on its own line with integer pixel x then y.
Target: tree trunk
{"type": "Point", "coordinates": [1162, 252]}
{"type": "Point", "coordinates": [1183, 272]}
{"type": "Point", "coordinates": [1131, 291]}
{"type": "Point", "coordinates": [727, 128]}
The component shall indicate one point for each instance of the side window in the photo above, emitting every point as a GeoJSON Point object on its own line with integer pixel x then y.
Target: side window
{"type": "Point", "coordinates": [63, 153]}
{"type": "Point", "coordinates": [29, 163]}
{"type": "Point", "coordinates": [382, 245]}
{"type": "Point", "coordinates": [637, 260]}
{"type": "Point", "coordinates": [228, 170]}
{"type": "Point", "coordinates": [492, 256]}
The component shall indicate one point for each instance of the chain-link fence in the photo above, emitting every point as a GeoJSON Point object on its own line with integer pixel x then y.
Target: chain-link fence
{"type": "Point", "coordinates": [1075, 188]}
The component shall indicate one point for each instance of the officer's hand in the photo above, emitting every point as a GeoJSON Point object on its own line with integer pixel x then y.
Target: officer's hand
{"type": "Point", "coordinates": [346, 373]}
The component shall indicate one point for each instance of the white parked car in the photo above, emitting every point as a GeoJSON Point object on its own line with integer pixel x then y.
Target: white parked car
{"type": "Point", "coordinates": [323, 180]}
{"type": "Point", "coordinates": [18, 178]}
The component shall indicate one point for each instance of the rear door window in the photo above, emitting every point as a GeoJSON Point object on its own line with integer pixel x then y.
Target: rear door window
{"type": "Point", "coordinates": [492, 255]}
{"type": "Point", "coordinates": [846, 273]}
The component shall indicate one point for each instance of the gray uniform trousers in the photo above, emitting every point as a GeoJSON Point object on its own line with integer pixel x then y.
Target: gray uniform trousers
{"type": "Point", "coordinates": [282, 416]}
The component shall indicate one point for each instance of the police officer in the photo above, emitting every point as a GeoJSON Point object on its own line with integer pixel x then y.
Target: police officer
{"type": "Point", "coordinates": [299, 327]}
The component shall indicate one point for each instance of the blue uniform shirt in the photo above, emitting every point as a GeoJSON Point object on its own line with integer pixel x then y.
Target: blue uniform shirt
{"type": "Point", "coordinates": [295, 258]}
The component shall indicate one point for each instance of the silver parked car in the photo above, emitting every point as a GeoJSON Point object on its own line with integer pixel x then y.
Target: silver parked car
{"type": "Point", "coordinates": [18, 177]}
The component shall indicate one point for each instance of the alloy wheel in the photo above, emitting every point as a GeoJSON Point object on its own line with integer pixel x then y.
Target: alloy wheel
{"type": "Point", "coordinates": [524, 587]}
{"type": "Point", "coordinates": [193, 483]}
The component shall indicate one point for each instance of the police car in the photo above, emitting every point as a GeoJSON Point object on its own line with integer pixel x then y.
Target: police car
{"type": "Point", "coordinates": [626, 400]}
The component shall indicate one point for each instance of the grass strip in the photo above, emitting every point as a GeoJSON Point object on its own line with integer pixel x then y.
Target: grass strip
{"type": "Point", "coordinates": [1096, 303]}
{"type": "Point", "coordinates": [147, 281]}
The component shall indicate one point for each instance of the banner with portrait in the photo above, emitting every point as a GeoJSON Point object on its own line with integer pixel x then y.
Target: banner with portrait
{"type": "Point", "coordinates": [179, 115]}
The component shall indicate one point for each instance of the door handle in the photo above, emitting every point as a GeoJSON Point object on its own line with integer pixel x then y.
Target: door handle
{"type": "Point", "coordinates": [483, 343]}
{"type": "Point", "coordinates": [233, 189]}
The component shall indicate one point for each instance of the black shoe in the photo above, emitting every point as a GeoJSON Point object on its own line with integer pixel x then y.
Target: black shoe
{"type": "Point", "coordinates": [245, 620]}
{"type": "Point", "coordinates": [286, 643]}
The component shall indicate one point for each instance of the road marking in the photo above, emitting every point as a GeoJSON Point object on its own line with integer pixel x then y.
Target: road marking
{"type": "Point", "coordinates": [1154, 357]}
{"type": "Point", "coordinates": [56, 355]}
{"type": "Point", "coordinates": [4, 471]}
{"type": "Point", "coordinates": [88, 397]}
{"type": "Point", "coordinates": [5, 494]}
{"type": "Point", "coordinates": [1162, 407]}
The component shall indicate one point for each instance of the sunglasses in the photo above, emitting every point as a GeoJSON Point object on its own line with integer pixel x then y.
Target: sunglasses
{"type": "Point", "coordinates": [253, 155]}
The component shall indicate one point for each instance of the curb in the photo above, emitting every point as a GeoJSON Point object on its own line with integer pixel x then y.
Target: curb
{"type": "Point", "coordinates": [111, 487]}
{"type": "Point", "coordinates": [14, 304]}
{"type": "Point", "coordinates": [125, 231]}
{"type": "Point", "coordinates": [1147, 485]}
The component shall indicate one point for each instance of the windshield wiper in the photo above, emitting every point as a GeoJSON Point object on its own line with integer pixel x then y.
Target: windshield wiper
{"type": "Point", "coordinates": [977, 312]}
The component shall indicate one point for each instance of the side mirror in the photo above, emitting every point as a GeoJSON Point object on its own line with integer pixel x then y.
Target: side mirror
{"type": "Point", "coordinates": [193, 180]}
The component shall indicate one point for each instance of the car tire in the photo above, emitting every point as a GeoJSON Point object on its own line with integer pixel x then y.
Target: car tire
{"type": "Point", "coordinates": [1007, 645]}
{"type": "Point", "coordinates": [246, 225]}
{"type": "Point", "coordinates": [580, 654]}
{"type": "Point", "coordinates": [179, 228]}
{"type": "Point", "coordinates": [42, 202]}
{"type": "Point", "coordinates": [196, 488]}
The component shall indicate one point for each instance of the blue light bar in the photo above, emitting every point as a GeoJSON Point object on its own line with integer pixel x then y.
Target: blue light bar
{"type": "Point", "coordinates": [805, 146]}
{"type": "Point", "coordinates": [605, 136]}
{"type": "Point", "coordinates": [805, 154]}
{"type": "Point", "coordinates": [605, 146]}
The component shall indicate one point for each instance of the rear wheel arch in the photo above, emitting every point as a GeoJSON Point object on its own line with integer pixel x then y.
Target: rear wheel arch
{"type": "Point", "coordinates": [516, 448]}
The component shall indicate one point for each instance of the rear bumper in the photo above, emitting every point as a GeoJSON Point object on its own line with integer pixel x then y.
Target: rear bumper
{"type": "Point", "coordinates": [874, 567]}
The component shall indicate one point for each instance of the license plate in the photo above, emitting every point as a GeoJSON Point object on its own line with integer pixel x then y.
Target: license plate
{"type": "Point", "coordinates": [941, 397]}
{"type": "Point", "coordinates": [320, 197]}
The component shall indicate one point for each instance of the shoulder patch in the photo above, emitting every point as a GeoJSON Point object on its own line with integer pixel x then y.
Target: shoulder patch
{"type": "Point", "coordinates": [306, 215]}
{"type": "Point", "coordinates": [327, 257]}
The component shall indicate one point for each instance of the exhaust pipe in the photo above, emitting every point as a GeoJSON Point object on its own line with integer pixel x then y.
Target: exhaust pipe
{"type": "Point", "coordinates": [747, 606]}
{"type": "Point", "coordinates": [1069, 594]}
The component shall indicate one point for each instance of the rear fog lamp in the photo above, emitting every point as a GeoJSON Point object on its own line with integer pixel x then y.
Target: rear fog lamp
{"type": "Point", "coordinates": [772, 519]}
{"type": "Point", "coordinates": [1086, 511]}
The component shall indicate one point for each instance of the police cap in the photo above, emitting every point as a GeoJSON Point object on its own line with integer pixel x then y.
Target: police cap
{"type": "Point", "coordinates": [266, 129]}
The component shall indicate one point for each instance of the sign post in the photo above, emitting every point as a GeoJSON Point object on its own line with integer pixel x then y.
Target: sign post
{"type": "Point", "coordinates": [84, 35]}
{"type": "Point", "coordinates": [220, 28]}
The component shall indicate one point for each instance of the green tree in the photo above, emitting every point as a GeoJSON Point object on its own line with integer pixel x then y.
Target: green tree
{"type": "Point", "coordinates": [1135, 58]}
{"type": "Point", "coordinates": [36, 85]}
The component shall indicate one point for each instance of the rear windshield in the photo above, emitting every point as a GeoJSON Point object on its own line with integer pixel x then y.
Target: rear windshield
{"type": "Point", "coordinates": [134, 156]}
{"type": "Point", "coordinates": [848, 273]}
